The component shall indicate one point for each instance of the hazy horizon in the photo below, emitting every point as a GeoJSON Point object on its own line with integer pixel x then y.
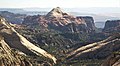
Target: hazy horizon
{"type": "Point", "coordinates": [83, 6]}
{"type": "Point", "coordinates": [60, 3]}
{"type": "Point", "coordinates": [102, 9]}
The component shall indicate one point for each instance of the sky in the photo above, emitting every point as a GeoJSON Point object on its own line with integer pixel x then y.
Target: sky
{"type": "Point", "coordinates": [58, 3]}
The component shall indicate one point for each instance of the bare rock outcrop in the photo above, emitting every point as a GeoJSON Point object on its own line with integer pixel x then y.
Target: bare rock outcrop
{"type": "Point", "coordinates": [112, 60]}
{"type": "Point", "coordinates": [97, 50]}
{"type": "Point", "coordinates": [10, 58]}
{"type": "Point", "coordinates": [17, 41]}
{"type": "Point", "coordinates": [59, 20]}
{"type": "Point", "coordinates": [112, 26]}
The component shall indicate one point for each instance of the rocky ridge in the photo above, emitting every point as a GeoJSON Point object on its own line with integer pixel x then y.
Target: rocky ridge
{"type": "Point", "coordinates": [112, 26]}
{"type": "Point", "coordinates": [59, 20]}
{"type": "Point", "coordinates": [13, 39]}
{"type": "Point", "coordinates": [10, 58]}
{"type": "Point", "coordinates": [112, 60]}
{"type": "Point", "coordinates": [97, 50]}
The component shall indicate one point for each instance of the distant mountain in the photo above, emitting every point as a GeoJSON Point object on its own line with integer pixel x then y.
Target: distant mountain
{"type": "Point", "coordinates": [100, 14]}
{"type": "Point", "coordinates": [112, 26]}
{"type": "Point", "coordinates": [12, 17]}
{"type": "Point", "coordinates": [62, 21]}
{"type": "Point", "coordinates": [99, 17]}
{"type": "Point", "coordinates": [34, 12]}
{"type": "Point", "coordinates": [13, 10]}
{"type": "Point", "coordinates": [93, 10]}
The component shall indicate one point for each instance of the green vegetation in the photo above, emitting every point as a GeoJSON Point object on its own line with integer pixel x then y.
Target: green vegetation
{"type": "Point", "coordinates": [60, 43]}
{"type": "Point", "coordinates": [85, 62]}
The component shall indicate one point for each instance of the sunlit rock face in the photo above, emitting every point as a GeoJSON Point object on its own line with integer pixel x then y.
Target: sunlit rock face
{"type": "Point", "coordinates": [11, 58]}
{"type": "Point", "coordinates": [59, 20]}
{"type": "Point", "coordinates": [56, 12]}
{"type": "Point", "coordinates": [99, 50]}
{"type": "Point", "coordinates": [17, 41]}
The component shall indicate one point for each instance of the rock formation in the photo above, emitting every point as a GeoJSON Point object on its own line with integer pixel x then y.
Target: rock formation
{"type": "Point", "coordinates": [55, 12]}
{"type": "Point", "coordinates": [17, 41]}
{"type": "Point", "coordinates": [112, 60]}
{"type": "Point", "coordinates": [112, 26]}
{"type": "Point", "coordinates": [97, 50]}
{"type": "Point", "coordinates": [59, 20]}
{"type": "Point", "coordinates": [10, 58]}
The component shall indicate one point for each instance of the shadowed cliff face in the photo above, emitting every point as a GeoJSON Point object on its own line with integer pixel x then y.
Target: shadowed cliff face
{"type": "Point", "coordinates": [17, 41]}
{"type": "Point", "coordinates": [59, 20]}
{"type": "Point", "coordinates": [13, 18]}
{"type": "Point", "coordinates": [112, 26]}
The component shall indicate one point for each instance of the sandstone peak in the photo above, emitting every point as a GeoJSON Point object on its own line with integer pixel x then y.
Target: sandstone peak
{"type": "Point", "coordinates": [55, 12]}
{"type": "Point", "coordinates": [57, 9]}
